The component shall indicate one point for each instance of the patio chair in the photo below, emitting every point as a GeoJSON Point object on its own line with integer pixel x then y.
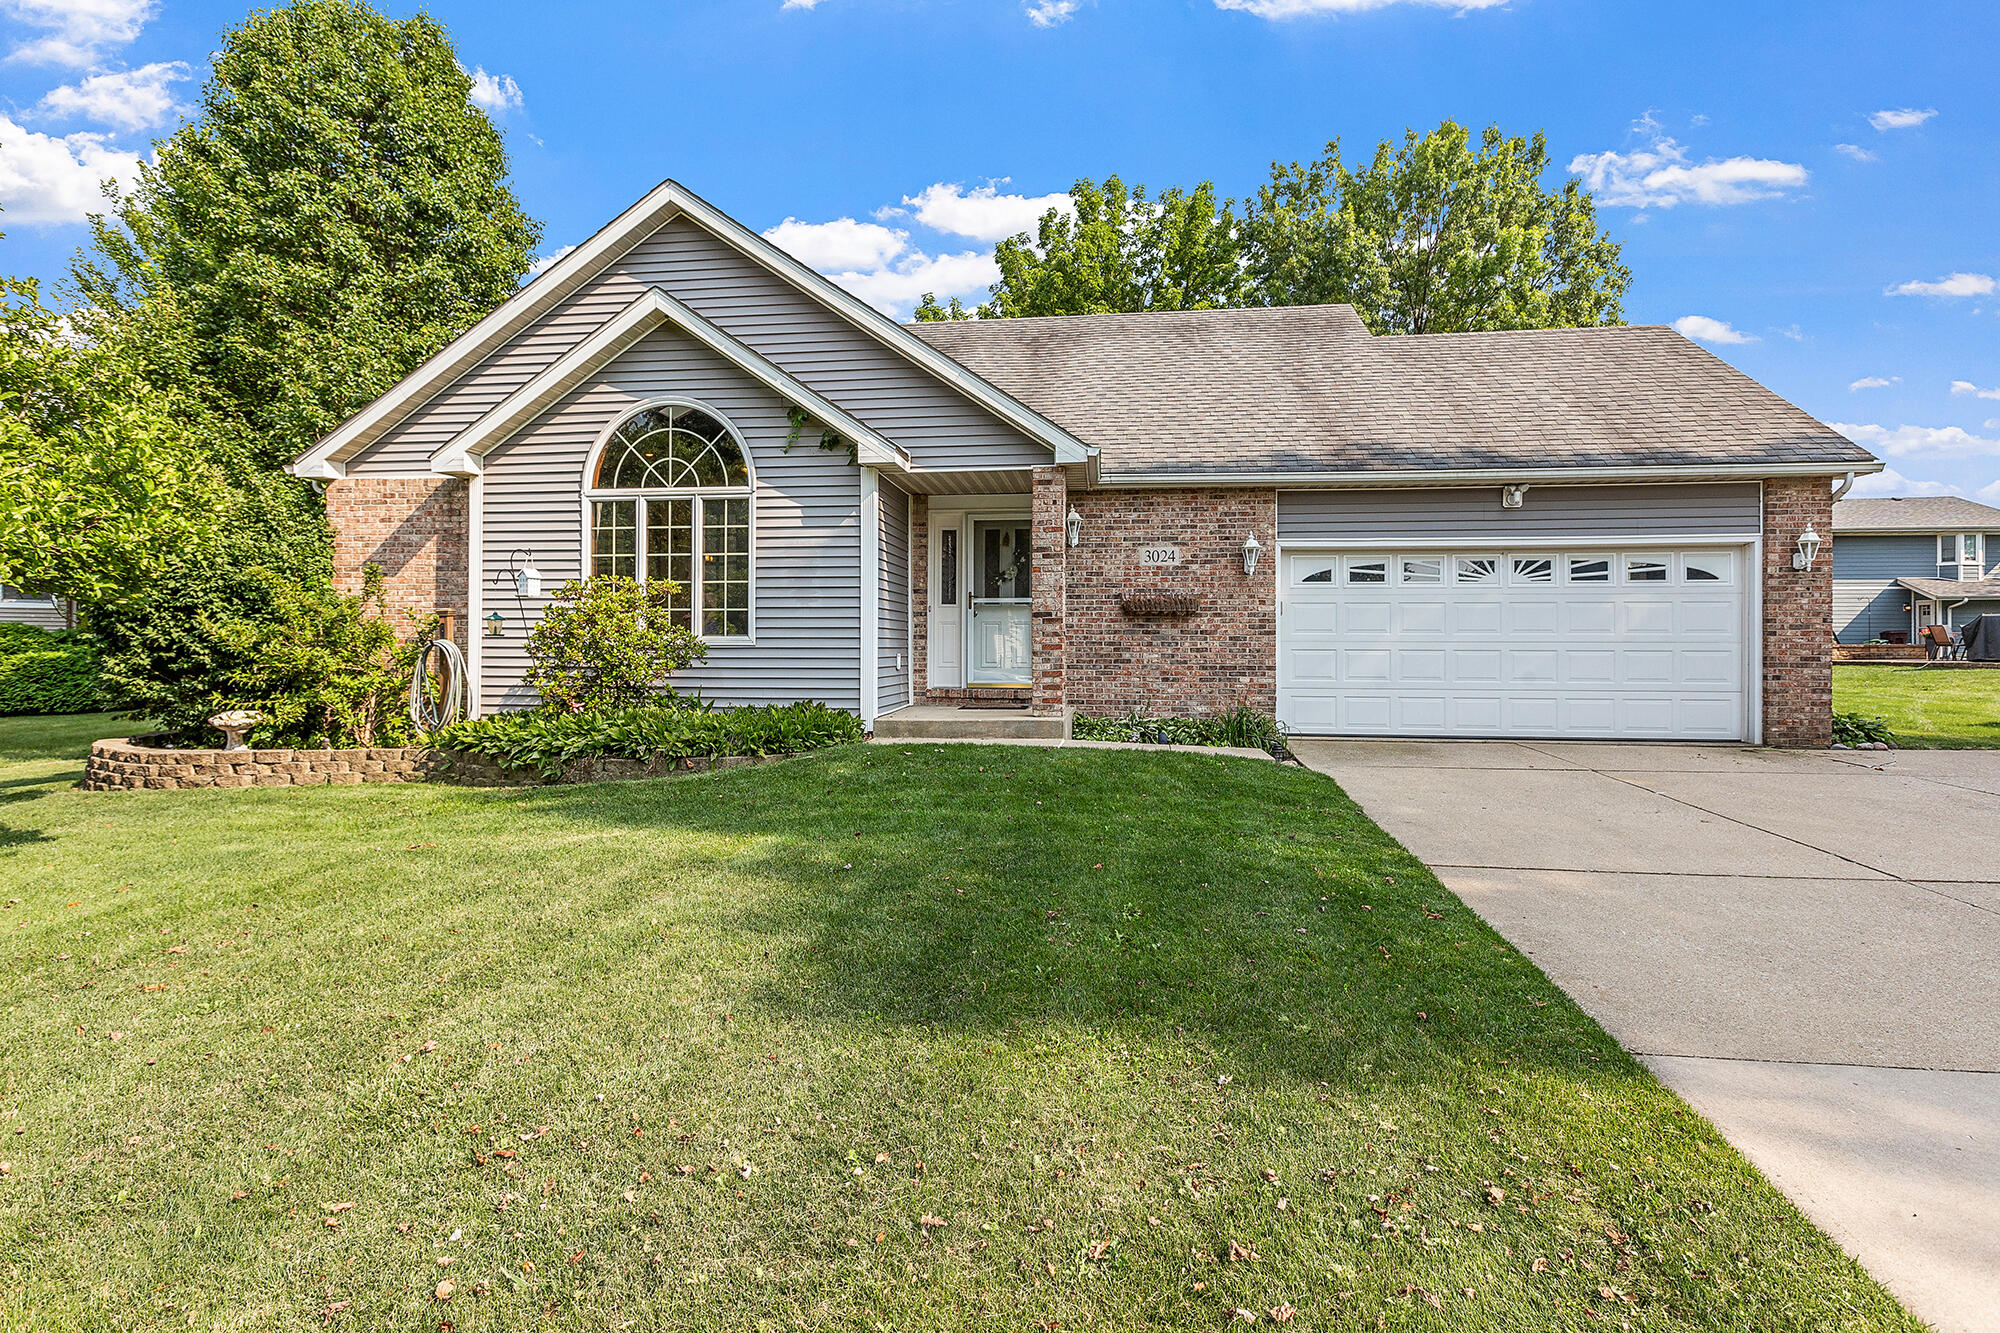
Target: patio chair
{"type": "Point", "coordinates": [1941, 644]}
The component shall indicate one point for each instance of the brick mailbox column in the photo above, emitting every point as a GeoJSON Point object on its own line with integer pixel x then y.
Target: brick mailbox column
{"type": "Point", "coordinates": [1798, 615]}
{"type": "Point", "coordinates": [1050, 581]}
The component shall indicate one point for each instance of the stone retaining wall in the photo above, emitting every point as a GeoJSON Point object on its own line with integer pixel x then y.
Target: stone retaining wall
{"type": "Point", "coordinates": [123, 764]}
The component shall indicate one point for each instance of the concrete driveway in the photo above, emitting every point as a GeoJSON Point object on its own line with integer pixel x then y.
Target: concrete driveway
{"type": "Point", "coordinates": [1804, 945]}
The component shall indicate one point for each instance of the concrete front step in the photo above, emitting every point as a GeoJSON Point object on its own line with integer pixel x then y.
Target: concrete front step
{"type": "Point", "coordinates": [945, 722]}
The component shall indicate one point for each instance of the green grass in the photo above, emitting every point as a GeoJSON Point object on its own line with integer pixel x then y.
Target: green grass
{"type": "Point", "coordinates": [1939, 709]}
{"type": "Point", "coordinates": [897, 1038]}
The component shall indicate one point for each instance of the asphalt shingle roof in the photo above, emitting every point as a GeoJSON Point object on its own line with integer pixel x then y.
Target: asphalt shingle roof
{"type": "Point", "coordinates": [1947, 590]}
{"type": "Point", "coordinates": [1915, 513]}
{"type": "Point", "coordinates": [1309, 389]}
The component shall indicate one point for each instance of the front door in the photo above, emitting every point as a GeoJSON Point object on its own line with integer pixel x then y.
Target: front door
{"type": "Point", "coordinates": [1002, 604]}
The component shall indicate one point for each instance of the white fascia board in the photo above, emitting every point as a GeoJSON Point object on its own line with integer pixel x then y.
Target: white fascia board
{"type": "Point", "coordinates": [1423, 477]}
{"type": "Point", "coordinates": [516, 313]}
{"type": "Point", "coordinates": [462, 454]}
{"type": "Point", "coordinates": [869, 320]}
{"type": "Point", "coordinates": [320, 469]}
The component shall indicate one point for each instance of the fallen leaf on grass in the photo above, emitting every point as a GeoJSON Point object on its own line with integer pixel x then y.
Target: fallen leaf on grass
{"type": "Point", "coordinates": [445, 1289]}
{"type": "Point", "coordinates": [1241, 1253]}
{"type": "Point", "coordinates": [1282, 1313]}
{"type": "Point", "coordinates": [1539, 1266]}
{"type": "Point", "coordinates": [929, 1220]}
{"type": "Point", "coordinates": [339, 1207]}
{"type": "Point", "coordinates": [1495, 1195]}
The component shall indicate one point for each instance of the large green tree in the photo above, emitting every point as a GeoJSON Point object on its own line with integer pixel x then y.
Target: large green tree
{"type": "Point", "coordinates": [1432, 236]}
{"type": "Point", "coordinates": [1119, 251]}
{"type": "Point", "coordinates": [335, 211]}
{"type": "Point", "coordinates": [102, 478]}
{"type": "Point", "coordinates": [1435, 236]}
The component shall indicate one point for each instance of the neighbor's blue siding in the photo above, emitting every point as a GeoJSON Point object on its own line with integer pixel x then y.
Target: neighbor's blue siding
{"type": "Point", "coordinates": [1866, 600]}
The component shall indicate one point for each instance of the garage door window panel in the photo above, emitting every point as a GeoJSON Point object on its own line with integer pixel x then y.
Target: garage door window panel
{"type": "Point", "coordinates": [1534, 569]}
{"type": "Point", "coordinates": [1646, 569]}
{"type": "Point", "coordinates": [1589, 569]}
{"type": "Point", "coordinates": [1476, 568]}
{"type": "Point", "coordinates": [1368, 571]}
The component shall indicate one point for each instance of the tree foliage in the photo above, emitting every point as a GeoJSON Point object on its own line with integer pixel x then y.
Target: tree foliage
{"type": "Point", "coordinates": [334, 212]}
{"type": "Point", "coordinates": [102, 478]}
{"type": "Point", "coordinates": [1435, 237]}
{"type": "Point", "coordinates": [1432, 236]}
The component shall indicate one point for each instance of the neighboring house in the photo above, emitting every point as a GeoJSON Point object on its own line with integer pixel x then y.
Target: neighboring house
{"type": "Point", "coordinates": [1906, 562]}
{"type": "Point", "coordinates": [27, 608]}
{"type": "Point", "coordinates": [1585, 532]}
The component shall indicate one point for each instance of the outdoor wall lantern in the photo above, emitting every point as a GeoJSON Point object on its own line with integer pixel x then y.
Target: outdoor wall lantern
{"type": "Point", "coordinates": [1075, 526]}
{"type": "Point", "coordinates": [1252, 548]}
{"type": "Point", "coordinates": [1808, 549]}
{"type": "Point", "coordinates": [496, 624]}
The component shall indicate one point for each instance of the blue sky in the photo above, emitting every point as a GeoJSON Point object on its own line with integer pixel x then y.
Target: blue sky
{"type": "Point", "coordinates": [1809, 189]}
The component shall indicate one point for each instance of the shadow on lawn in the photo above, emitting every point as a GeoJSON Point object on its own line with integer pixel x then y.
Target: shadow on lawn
{"type": "Point", "coordinates": [1233, 902]}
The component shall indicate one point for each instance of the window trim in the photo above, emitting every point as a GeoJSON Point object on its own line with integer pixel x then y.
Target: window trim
{"type": "Point", "coordinates": [590, 495]}
{"type": "Point", "coordinates": [1957, 560]}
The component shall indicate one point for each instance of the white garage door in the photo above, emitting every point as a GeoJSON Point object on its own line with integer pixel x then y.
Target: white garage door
{"type": "Point", "coordinates": [1574, 643]}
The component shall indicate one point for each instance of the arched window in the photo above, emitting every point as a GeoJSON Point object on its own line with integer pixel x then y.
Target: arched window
{"type": "Point", "coordinates": [670, 499]}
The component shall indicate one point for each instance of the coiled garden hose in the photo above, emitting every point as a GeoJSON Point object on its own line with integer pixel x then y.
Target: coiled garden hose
{"type": "Point", "coordinates": [434, 705]}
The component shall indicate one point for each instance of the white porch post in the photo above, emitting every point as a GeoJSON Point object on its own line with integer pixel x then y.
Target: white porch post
{"type": "Point", "coordinates": [475, 564]}
{"type": "Point", "coordinates": [871, 595]}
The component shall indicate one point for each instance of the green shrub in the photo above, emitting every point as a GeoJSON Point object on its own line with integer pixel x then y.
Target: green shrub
{"type": "Point", "coordinates": [48, 671]}
{"type": "Point", "coordinates": [1240, 727]}
{"type": "Point", "coordinates": [1854, 729]}
{"type": "Point", "coordinates": [549, 741]}
{"type": "Point", "coordinates": [609, 643]}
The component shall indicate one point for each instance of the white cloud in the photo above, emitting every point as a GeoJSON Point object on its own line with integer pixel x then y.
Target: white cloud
{"type": "Point", "coordinates": [1703, 329]}
{"type": "Point", "coordinates": [899, 286]}
{"type": "Point", "coordinates": [1958, 284]}
{"type": "Point", "coordinates": [799, 4]}
{"type": "Point", "coordinates": [1891, 482]}
{"type": "Point", "coordinates": [1907, 118]}
{"type": "Point", "coordinates": [46, 179]}
{"type": "Point", "coordinates": [545, 262]}
{"type": "Point", "coordinates": [494, 93]}
{"type": "Point", "coordinates": [1050, 13]}
{"type": "Point", "coordinates": [842, 244]}
{"type": "Point", "coordinates": [1855, 151]}
{"type": "Point", "coordinates": [132, 99]}
{"type": "Point", "coordinates": [1963, 387]}
{"type": "Point", "coordinates": [983, 214]}
{"type": "Point", "coordinates": [1873, 382]}
{"type": "Point", "coordinates": [79, 31]}
{"type": "Point", "coordinates": [1662, 176]}
{"type": "Point", "coordinates": [1293, 9]}
{"type": "Point", "coordinates": [1919, 441]}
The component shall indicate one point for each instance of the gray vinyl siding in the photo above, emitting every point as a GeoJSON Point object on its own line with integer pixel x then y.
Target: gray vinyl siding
{"type": "Point", "coordinates": [892, 688]}
{"type": "Point", "coordinates": [1864, 609]}
{"type": "Point", "coordinates": [1866, 600]}
{"type": "Point", "coordinates": [42, 616]}
{"type": "Point", "coordinates": [908, 405]}
{"type": "Point", "coordinates": [806, 531]}
{"type": "Point", "coordinates": [1961, 616]}
{"type": "Point", "coordinates": [1474, 513]}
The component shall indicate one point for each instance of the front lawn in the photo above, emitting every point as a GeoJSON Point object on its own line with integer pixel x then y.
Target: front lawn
{"type": "Point", "coordinates": [1939, 709]}
{"type": "Point", "coordinates": [887, 1037]}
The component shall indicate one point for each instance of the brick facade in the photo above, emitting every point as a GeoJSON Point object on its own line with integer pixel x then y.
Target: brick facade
{"type": "Point", "coordinates": [1798, 615]}
{"type": "Point", "coordinates": [1223, 656]}
{"type": "Point", "coordinates": [1049, 519]}
{"type": "Point", "coordinates": [415, 529]}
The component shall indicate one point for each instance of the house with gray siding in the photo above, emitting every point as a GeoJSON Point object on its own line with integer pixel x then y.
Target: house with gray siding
{"type": "Point", "coordinates": [1600, 532]}
{"type": "Point", "coordinates": [1904, 562]}
{"type": "Point", "coordinates": [19, 607]}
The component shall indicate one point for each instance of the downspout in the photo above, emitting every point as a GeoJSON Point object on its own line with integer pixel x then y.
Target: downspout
{"type": "Point", "coordinates": [475, 566]}
{"type": "Point", "coordinates": [1841, 489]}
{"type": "Point", "coordinates": [871, 595]}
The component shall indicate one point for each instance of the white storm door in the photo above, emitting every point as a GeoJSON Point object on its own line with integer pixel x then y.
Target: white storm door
{"type": "Point", "coordinates": [1002, 629]}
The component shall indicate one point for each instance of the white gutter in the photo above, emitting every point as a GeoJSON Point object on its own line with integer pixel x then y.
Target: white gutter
{"type": "Point", "coordinates": [1429, 477]}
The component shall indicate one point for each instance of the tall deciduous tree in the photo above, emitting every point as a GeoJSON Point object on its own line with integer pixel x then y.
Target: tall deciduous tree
{"type": "Point", "coordinates": [101, 478]}
{"type": "Point", "coordinates": [1119, 251]}
{"type": "Point", "coordinates": [335, 212]}
{"type": "Point", "coordinates": [1435, 237]}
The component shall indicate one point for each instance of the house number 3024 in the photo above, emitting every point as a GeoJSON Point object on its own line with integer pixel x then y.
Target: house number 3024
{"type": "Point", "coordinates": [1153, 556]}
